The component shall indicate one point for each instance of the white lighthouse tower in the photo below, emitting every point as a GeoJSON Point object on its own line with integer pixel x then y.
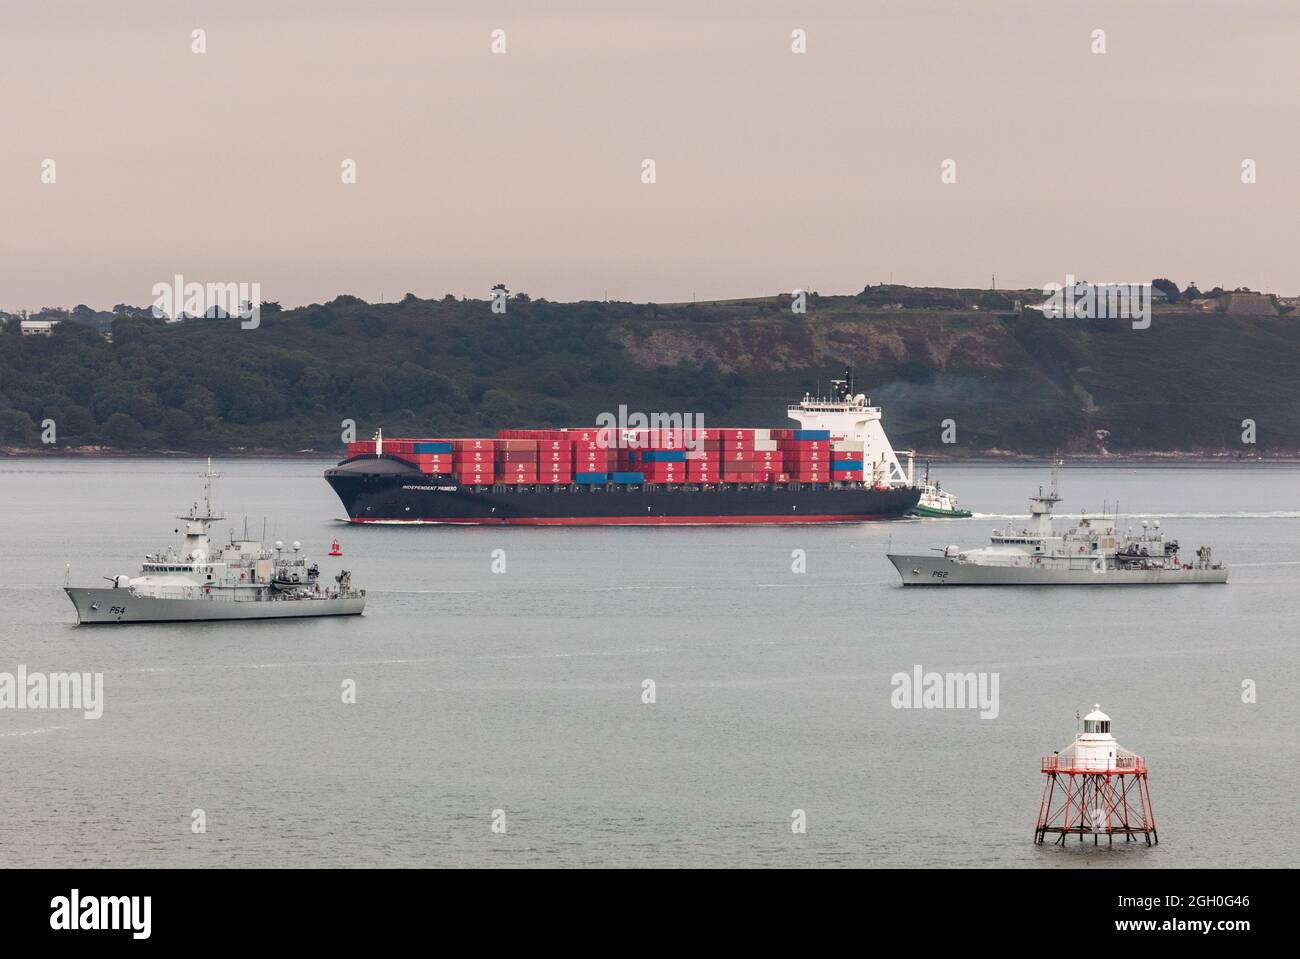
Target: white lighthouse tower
{"type": "Point", "coordinates": [1095, 787]}
{"type": "Point", "coordinates": [850, 417]}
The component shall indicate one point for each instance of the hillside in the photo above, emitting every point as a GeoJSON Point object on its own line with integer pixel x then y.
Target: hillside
{"type": "Point", "coordinates": [1012, 381]}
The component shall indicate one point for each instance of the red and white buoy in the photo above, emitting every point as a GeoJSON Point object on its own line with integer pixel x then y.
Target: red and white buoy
{"type": "Point", "coordinates": [334, 549]}
{"type": "Point", "coordinates": [1095, 787]}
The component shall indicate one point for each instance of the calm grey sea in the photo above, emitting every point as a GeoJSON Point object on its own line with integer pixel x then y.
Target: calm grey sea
{"type": "Point", "coordinates": [522, 691]}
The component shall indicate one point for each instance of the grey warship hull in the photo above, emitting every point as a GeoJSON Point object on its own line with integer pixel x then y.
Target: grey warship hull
{"type": "Point", "coordinates": [110, 605]}
{"type": "Point", "coordinates": [938, 570]}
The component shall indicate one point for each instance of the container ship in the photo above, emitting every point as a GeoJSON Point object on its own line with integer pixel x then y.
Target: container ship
{"type": "Point", "coordinates": [836, 466]}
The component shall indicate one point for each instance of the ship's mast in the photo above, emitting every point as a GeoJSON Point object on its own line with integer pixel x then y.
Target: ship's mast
{"type": "Point", "coordinates": [1040, 506]}
{"type": "Point", "coordinates": [195, 545]}
{"type": "Point", "coordinates": [207, 515]}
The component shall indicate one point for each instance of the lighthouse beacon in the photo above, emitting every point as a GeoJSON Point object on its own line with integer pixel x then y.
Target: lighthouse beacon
{"type": "Point", "coordinates": [1095, 787]}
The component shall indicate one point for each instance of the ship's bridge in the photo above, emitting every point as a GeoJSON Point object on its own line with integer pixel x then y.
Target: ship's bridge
{"type": "Point", "coordinates": [850, 416]}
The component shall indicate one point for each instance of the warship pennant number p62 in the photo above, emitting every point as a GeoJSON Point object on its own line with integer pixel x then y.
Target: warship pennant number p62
{"type": "Point", "coordinates": [1093, 553]}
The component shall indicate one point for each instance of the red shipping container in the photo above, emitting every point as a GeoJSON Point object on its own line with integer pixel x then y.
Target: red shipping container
{"type": "Point", "coordinates": [769, 456]}
{"type": "Point", "coordinates": [474, 456]}
{"type": "Point", "coordinates": [473, 444]}
{"type": "Point", "coordinates": [517, 456]}
{"type": "Point", "coordinates": [602, 438]}
{"type": "Point", "coordinates": [553, 479]}
{"type": "Point", "coordinates": [666, 439]}
{"type": "Point", "coordinates": [823, 445]}
{"type": "Point", "coordinates": [515, 445]}
{"type": "Point", "coordinates": [807, 456]}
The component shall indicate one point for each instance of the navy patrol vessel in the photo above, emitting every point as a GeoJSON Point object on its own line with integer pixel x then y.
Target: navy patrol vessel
{"type": "Point", "coordinates": [200, 581]}
{"type": "Point", "coordinates": [1092, 553]}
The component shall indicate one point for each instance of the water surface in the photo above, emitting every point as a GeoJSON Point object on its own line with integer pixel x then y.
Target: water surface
{"type": "Point", "coordinates": [522, 691]}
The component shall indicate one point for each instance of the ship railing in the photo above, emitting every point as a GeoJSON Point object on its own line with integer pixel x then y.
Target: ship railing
{"type": "Point", "coordinates": [1076, 562]}
{"type": "Point", "coordinates": [1074, 764]}
{"type": "Point", "coordinates": [198, 594]}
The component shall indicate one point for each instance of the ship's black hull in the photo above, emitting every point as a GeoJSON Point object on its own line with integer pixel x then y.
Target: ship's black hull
{"type": "Point", "coordinates": [385, 490]}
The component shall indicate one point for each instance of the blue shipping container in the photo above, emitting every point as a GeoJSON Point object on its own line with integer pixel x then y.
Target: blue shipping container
{"type": "Point", "coordinates": [812, 434]}
{"type": "Point", "coordinates": [433, 447]}
{"type": "Point", "coordinates": [846, 464]}
{"type": "Point", "coordinates": [664, 456]}
{"type": "Point", "coordinates": [591, 477]}
{"type": "Point", "coordinates": [629, 477]}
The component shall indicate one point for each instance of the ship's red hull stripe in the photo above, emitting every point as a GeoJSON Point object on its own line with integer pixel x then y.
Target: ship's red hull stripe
{"type": "Point", "coordinates": [782, 520]}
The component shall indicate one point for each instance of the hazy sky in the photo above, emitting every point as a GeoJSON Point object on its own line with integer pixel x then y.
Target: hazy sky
{"type": "Point", "coordinates": [774, 170]}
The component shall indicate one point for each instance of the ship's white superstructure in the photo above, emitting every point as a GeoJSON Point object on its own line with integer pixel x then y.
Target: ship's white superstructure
{"type": "Point", "coordinates": [850, 417]}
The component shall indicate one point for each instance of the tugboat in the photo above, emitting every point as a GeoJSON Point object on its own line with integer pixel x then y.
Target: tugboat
{"type": "Point", "coordinates": [1089, 554]}
{"type": "Point", "coordinates": [936, 502]}
{"type": "Point", "coordinates": [200, 582]}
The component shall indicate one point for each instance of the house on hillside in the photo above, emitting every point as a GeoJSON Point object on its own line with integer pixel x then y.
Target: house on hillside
{"type": "Point", "coordinates": [37, 327]}
{"type": "Point", "coordinates": [1250, 304]}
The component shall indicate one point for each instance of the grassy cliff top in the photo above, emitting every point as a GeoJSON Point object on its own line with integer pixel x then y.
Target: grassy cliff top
{"type": "Point", "coordinates": [1012, 381]}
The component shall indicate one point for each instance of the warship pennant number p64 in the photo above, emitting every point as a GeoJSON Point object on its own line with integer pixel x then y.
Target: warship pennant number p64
{"type": "Point", "coordinates": [199, 582]}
